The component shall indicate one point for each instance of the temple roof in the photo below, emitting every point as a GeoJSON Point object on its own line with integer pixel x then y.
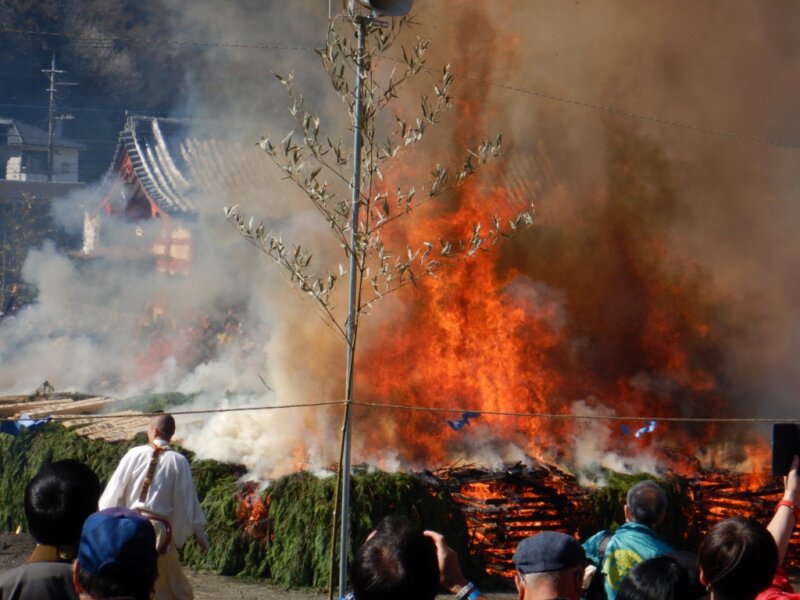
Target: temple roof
{"type": "Point", "coordinates": [181, 169]}
{"type": "Point", "coordinates": [153, 147]}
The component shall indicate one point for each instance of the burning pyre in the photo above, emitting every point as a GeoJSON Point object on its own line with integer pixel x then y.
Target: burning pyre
{"type": "Point", "coordinates": [596, 312]}
{"type": "Point", "coordinates": [503, 506]}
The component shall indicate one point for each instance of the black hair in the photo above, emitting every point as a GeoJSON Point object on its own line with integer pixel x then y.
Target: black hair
{"type": "Point", "coordinates": [738, 558]}
{"type": "Point", "coordinates": [647, 503]}
{"type": "Point", "coordinates": [661, 578]}
{"type": "Point", "coordinates": [396, 563]}
{"type": "Point", "coordinates": [59, 499]}
{"type": "Point", "coordinates": [164, 424]}
{"type": "Point", "coordinates": [114, 581]}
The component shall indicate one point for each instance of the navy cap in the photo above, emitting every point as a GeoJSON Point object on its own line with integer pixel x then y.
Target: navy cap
{"type": "Point", "coordinates": [548, 551]}
{"type": "Point", "coordinates": [117, 536]}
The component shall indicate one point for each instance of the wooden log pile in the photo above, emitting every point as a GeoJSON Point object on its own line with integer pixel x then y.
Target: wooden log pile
{"type": "Point", "coordinates": [717, 495]}
{"type": "Point", "coordinates": [121, 426]}
{"type": "Point", "coordinates": [505, 506]}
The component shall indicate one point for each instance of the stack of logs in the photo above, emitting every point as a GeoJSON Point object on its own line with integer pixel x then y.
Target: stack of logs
{"type": "Point", "coordinates": [717, 495]}
{"type": "Point", "coordinates": [504, 506]}
{"type": "Point", "coordinates": [75, 412]}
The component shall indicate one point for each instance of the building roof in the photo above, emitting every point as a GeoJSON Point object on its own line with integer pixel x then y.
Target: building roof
{"type": "Point", "coordinates": [180, 170]}
{"type": "Point", "coordinates": [152, 145]}
{"type": "Point", "coordinates": [25, 134]}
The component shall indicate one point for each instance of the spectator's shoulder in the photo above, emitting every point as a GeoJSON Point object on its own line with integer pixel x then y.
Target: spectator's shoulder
{"type": "Point", "coordinates": [594, 537]}
{"type": "Point", "coordinates": [137, 450]}
{"type": "Point", "coordinates": [591, 545]}
{"type": "Point", "coordinates": [7, 576]}
{"type": "Point", "coordinates": [178, 456]}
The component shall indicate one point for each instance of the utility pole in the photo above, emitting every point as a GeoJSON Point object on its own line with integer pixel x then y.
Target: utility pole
{"type": "Point", "coordinates": [51, 112]}
{"type": "Point", "coordinates": [390, 8]}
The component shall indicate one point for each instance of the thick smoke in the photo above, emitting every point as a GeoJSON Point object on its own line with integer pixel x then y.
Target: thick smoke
{"type": "Point", "coordinates": [624, 206]}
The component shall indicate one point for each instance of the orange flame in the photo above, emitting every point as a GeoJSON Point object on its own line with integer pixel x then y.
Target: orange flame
{"type": "Point", "coordinates": [587, 308]}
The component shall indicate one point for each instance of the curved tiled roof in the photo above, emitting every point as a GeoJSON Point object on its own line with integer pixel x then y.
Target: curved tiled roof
{"type": "Point", "coordinates": [181, 171]}
{"type": "Point", "coordinates": [144, 142]}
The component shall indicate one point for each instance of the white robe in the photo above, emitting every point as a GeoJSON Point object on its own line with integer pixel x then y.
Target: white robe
{"type": "Point", "coordinates": [171, 494]}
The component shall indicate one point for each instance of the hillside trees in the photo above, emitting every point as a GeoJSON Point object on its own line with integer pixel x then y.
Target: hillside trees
{"type": "Point", "coordinates": [25, 223]}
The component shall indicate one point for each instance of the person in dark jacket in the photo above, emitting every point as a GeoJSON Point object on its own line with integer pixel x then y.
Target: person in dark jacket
{"type": "Point", "coordinates": [57, 502]}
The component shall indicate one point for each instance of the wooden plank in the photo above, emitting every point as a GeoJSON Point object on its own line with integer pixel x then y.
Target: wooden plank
{"type": "Point", "coordinates": [123, 427]}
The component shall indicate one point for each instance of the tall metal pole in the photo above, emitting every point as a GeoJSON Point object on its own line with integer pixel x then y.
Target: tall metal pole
{"type": "Point", "coordinates": [51, 110]}
{"type": "Point", "coordinates": [52, 72]}
{"type": "Point", "coordinates": [353, 312]}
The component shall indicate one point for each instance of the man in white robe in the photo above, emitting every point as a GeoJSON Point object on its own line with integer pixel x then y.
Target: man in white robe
{"type": "Point", "coordinates": [157, 481]}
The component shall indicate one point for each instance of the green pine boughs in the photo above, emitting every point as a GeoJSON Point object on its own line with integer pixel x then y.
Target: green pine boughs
{"type": "Point", "coordinates": [289, 545]}
{"type": "Point", "coordinates": [22, 456]}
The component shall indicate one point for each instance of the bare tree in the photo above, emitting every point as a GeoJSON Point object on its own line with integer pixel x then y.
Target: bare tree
{"type": "Point", "coordinates": [25, 224]}
{"type": "Point", "coordinates": [321, 167]}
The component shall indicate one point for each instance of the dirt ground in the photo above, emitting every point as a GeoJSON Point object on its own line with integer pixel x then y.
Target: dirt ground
{"type": "Point", "coordinates": [15, 549]}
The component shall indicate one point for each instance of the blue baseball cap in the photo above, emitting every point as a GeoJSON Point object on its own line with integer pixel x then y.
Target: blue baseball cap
{"type": "Point", "coordinates": [117, 536]}
{"type": "Point", "coordinates": [548, 551]}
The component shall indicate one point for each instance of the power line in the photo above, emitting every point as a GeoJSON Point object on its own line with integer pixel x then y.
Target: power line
{"type": "Point", "coordinates": [136, 40]}
{"type": "Point", "coordinates": [436, 409]}
{"type": "Point", "coordinates": [536, 415]}
{"type": "Point", "coordinates": [154, 113]}
{"type": "Point", "coordinates": [113, 140]}
{"type": "Point", "coordinates": [619, 112]}
{"type": "Point", "coordinates": [642, 116]}
{"type": "Point", "coordinates": [543, 95]}
{"type": "Point", "coordinates": [200, 411]}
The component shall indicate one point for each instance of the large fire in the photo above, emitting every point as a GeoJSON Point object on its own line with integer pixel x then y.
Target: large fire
{"type": "Point", "coordinates": [594, 311]}
{"type": "Point", "coordinates": [595, 329]}
{"type": "Point", "coordinates": [591, 312]}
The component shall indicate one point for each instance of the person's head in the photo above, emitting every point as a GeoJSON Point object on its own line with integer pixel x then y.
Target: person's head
{"type": "Point", "coordinates": [57, 502]}
{"type": "Point", "coordinates": [395, 563]}
{"type": "Point", "coordinates": [117, 556]}
{"type": "Point", "coordinates": [549, 564]}
{"type": "Point", "coordinates": [661, 578]}
{"type": "Point", "coordinates": [688, 561]}
{"type": "Point", "coordinates": [161, 427]}
{"type": "Point", "coordinates": [737, 559]}
{"type": "Point", "coordinates": [646, 503]}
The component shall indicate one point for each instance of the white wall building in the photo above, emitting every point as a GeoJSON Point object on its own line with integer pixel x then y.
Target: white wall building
{"type": "Point", "coordinates": [24, 151]}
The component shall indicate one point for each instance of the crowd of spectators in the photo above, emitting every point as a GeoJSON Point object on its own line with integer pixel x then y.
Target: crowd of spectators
{"type": "Point", "coordinates": [738, 559]}
{"type": "Point", "coordinates": [86, 554]}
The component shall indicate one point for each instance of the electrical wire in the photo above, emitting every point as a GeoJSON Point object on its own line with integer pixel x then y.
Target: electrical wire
{"type": "Point", "coordinates": [152, 41]}
{"type": "Point", "coordinates": [534, 93]}
{"type": "Point", "coordinates": [639, 116]}
{"type": "Point", "coordinates": [199, 411]}
{"type": "Point", "coordinates": [150, 113]}
{"type": "Point", "coordinates": [437, 409]}
{"type": "Point", "coordinates": [536, 415]}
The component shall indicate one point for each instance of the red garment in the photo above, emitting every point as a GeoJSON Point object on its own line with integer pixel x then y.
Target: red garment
{"type": "Point", "coordinates": [779, 588]}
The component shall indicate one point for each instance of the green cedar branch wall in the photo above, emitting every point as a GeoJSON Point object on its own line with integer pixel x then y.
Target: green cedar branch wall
{"type": "Point", "coordinates": [293, 550]}
{"type": "Point", "coordinates": [300, 506]}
